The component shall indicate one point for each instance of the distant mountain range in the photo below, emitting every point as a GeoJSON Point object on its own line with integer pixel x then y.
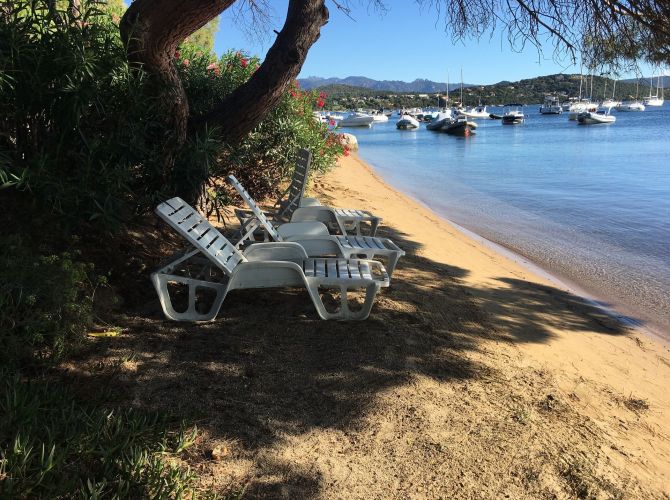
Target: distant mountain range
{"type": "Point", "coordinates": [419, 85]}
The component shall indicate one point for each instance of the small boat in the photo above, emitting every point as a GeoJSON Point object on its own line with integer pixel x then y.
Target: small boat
{"type": "Point", "coordinates": [379, 117]}
{"type": "Point", "coordinates": [494, 116]}
{"type": "Point", "coordinates": [579, 107]}
{"type": "Point", "coordinates": [595, 118]}
{"type": "Point", "coordinates": [459, 126]}
{"type": "Point", "coordinates": [407, 122]}
{"type": "Point", "coordinates": [356, 119]}
{"type": "Point", "coordinates": [476, 113]}
{"type": "Point", "coordinates": [609, 104]}
{"type": "Point", "coordinates": [513, 116]}
{"type": "Point", "coordinates": [551, 106]}
{"type": "Point", "coordinates": [630, 106]}
{"type": "Point", "coordinates": [440, 120]}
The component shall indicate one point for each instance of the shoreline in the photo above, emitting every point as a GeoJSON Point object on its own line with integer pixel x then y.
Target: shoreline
{"type": "Point", "coordinates": [550, 326]}
{"type": "Point", "coordinates": [654, 330]}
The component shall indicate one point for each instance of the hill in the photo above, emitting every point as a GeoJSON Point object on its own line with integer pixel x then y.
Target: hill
{"type": "Point", "coordinates": [418, 85]}
{"type": "Point", "coordinates": [528, 91]}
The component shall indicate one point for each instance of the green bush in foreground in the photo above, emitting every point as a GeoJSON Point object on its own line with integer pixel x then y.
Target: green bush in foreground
{"type": "Point", "coordinates": [45, 303]}
{"type": "Point", "coordinates": [53, 447]}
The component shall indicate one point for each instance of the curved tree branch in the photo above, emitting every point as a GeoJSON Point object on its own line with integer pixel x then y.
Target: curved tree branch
{"type": "Point", "coordinates": [246, 106]}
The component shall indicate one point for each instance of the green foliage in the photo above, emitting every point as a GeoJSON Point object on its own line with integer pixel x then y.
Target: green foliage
{"type": "Point", "coordinates": [267, 155]}
{"type": "Point", "coordinates": [45, 302]}
{"type": "Point", "coordinates": [76, 128]}
{"type": "Point", "coordinates": [204, 37]}
{"type": "Point", "coordinates": [53, 447]}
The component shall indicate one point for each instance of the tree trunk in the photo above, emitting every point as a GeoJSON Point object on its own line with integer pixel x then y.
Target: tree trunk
{"type": "Point", "coordinates": [245, 108]}
{"type": "Point", "coordinates": [152, 31]}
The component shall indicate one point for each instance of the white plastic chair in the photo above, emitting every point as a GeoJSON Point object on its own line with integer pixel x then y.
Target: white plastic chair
{"type": "Point", "coordinates": [314, 237]}
{"type": "Point", "coordinates": [293, 206]}
{"type": "Point", "coordinates": [269, 265]}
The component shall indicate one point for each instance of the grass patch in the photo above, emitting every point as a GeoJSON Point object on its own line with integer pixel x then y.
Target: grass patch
{"type": "Point", "coordinates": [53, 446]}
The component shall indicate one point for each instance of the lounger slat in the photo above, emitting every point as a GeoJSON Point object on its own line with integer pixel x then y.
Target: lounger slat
{"type": "Point", "coordinates": [320, 268]}
{"type": "Point", "coordinates": [344, 241]}
{"type": "Point", "coordinates": [376, 242]}
{"type": "Point", "coordinates": [365, 270]}
{"type": "Point", "coordinates": [343, 269]}
{"type": "Point", "coordinates": [308, 267]}
{"type": "Point", "coordinates": [353, 269]}
{"type": "Point", "coordinates": [332, 268]}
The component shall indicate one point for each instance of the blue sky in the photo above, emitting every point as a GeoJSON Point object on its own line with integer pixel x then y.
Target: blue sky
{"type": "Point", "coordinates": [405, 43]}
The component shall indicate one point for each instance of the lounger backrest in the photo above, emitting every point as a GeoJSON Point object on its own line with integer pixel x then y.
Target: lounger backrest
{"type": "Point", "coordinates": [200, 233]}
{"type": "Point", "coordinates": [258, 213]}
{"type": "Point", "coordinates": [290, 199]}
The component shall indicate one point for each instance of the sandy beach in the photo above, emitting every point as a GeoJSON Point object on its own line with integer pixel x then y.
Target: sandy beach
{"type": "Point", "coordinates": [473, 378]}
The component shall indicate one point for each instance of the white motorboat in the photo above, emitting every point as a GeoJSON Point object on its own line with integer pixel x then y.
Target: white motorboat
{"type": "Point", "coordinates": [356, 119]}
{"type": "Point", "coordinates": [440, 120]}
{"type": "Point", "coordinates": [513, 116]}
{"type": "Point", "coordinates": [379, 117]}
{"type": "Point", "coordinates": [579, 107]}
{"type": "Point", "coordinates": [551, 106]}
{"type": "Point", "coordinates": [407, 122]}
{"type": "Point", "coordinates": [476, 112]}
{"type": "Point", "coordinates": [594, 118]}
{"type": "Point", "coordinates": [610, 103]}
{"type": "Point", "coordinates": [630, 106]}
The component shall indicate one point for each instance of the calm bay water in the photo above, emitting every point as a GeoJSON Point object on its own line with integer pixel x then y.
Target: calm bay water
{"type": "Point", "coordinates": [587, 203]}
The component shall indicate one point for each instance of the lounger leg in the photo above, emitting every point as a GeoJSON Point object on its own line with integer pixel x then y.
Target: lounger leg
{"type": "Point", "coordinates": [344, 313]}
{"type": "Point", "coordinates": [160, 282]}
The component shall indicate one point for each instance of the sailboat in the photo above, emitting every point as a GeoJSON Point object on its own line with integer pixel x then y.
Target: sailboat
{"type": "Point", "coordinates": [610, 103]}
{"type": "Point", "coordinates": [580, 105]}
{"type": "Point", "coordinates": [654, 100]}
{"type": "Point", "coordinates": [632, 105]}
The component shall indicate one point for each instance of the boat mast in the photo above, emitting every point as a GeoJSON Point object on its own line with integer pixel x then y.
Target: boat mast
{"type": "Point", "coordinates": [581, 79]}
{"type": "Point", "coordinates": [462, 86]}
{"type": "Point", "coordinates": [447, 103]}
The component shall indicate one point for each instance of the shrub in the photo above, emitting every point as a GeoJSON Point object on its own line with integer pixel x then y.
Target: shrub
{"type": "Point", "coordinates": [45, 303]}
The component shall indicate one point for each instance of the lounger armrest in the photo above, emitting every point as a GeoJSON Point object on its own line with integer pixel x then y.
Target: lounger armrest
{"type": "Point", "coordinates": [285, 251]}
{"type": "Point", "coordinates": [309, 202]}
{"type": "Point", "coordinates": [292, 229]}
{"type": "Point", "coordinates": [390, 244]}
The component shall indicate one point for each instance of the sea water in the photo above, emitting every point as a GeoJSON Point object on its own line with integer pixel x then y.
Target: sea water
{"type": "Point", "coordinates": [588, 203]}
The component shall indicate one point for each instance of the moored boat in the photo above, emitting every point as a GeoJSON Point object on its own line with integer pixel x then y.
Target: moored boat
{"type": "Point", "coordinates": [551, 106]}
{"type": "Point", "coordinates": [595, 118]}
{"type": "Point", "coordinates": [356, 119]}
{"type": "Point", "coordinates": [476, 112]}
{"type": "Point", "coordinates": [407, 122]}
{"type": "Point", "coordinates": [440, 120]}
{"type": "Point", "coordinates": [459, 126]}
{"type": "Point", "coordinates": [630, 106]}
{"type": "Point", "coordinates": [513, 116]}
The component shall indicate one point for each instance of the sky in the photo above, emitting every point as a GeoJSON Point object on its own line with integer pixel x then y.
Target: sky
{"type": "Point", "coordinates": [405, 43]}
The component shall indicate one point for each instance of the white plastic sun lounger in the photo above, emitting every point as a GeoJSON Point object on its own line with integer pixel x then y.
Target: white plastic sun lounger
{"type": "Point", "coordinates": [269, 265]}
{"type": "Point", "coordinates": [292, 206]}
{"type": "Point", "coordinates": [314, 237]}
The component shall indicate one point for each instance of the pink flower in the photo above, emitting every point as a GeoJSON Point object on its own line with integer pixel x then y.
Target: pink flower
{"type": "Point", "coordinates": [212, 66]}
{"type": "Point", "coordinates": [177, 54]}
{"type": "Point", "coordinates": [346, 152]}
{"type": "Point", "coordinates": [323, 95]}
{"type": "Point", "coordinates": [293, 93]}
{"type": "Point", "coordinates": [320, 103]}
{"type": "Point", "coordinates": [186, 62]}
{"type": "Point", "coordinates": [244, 62]}
{"type": "Point", "coordinates": [331, 122]}
{"type": "Point", "coordinates": [297, 85]}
